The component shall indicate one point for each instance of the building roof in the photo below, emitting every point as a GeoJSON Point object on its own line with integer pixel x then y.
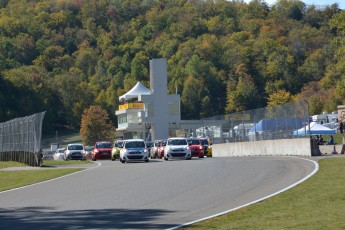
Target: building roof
{"type": "Point", "coordinates": [138, 89]}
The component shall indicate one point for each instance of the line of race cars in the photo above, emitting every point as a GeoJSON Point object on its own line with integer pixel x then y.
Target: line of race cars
{"type": "Point", "coordinates": [138, 150]}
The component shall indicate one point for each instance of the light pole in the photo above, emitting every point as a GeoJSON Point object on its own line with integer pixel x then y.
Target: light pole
{"type": "Point", "coordinates": [308, 118]}
{"type": "Point", "coordinates": [203, 128]}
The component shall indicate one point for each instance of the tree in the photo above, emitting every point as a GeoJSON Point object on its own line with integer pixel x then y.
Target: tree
{"type": "Point", "coordinates": [244, 95]}
{"type": "Point", "coordinates": [96, 125]}
{"type": "Point", "coordinates": [29, 91]}
{"type": "Point", "coordinates": [190, 98]}
{"type": "Point", "coordinates": [279, 97]}
{"type": "Point", "coordinates": [139, 70]}
{"type": "Point", "coordinates": [75, 94]}
{"type": "Point", "coordinates": [90, 52]}
{"type": "Point", "coordinates": [337, 23]}
{"type": "Point", "coordinates": [8, 105]}
{"type": "Point", "coordinates": [340, 88]}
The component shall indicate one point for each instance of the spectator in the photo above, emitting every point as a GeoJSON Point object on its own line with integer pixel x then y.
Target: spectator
{"type": "Point", "coordinates": [331, 140]}
{"type": "Point", "coordinates": [208, 135]}
{"type": "Point", "coordinates": [341, 127]}
{"type": "Point", "coordinates": [320, 140]}
{"type": "Point", "coordinates": [317, 140]}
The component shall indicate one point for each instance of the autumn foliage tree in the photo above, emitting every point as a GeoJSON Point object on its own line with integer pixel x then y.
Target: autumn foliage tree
{"type": "Point", "coordinates": [223, 56]}
{"type": "Point", "coordinates": [96, 125]}
{"type": "Point", "coordinates": [279, 97]}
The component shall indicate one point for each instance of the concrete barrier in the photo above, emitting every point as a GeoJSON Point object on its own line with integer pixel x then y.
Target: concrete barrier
{"type": "Point", "coordinates": [282, 147]}
{"type": "Point", "coordinates": [332, 149]}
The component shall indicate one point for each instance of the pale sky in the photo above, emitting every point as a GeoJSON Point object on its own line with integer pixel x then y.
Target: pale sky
{"type": "Point", "coordinates": [341, 3]}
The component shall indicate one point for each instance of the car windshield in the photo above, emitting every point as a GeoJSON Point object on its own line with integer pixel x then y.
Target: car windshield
{"type": "Point", "coordinates": [88, 148]}
{"type": "Point", "coordinates": [194, 142]}
{"type": "Point", "coordinates": [204, 141]}
{"type": "Point", "coordinates": [149, 144]}
{"type": "Point", "coordinates": [177, 142]}
{"type": "Point", "coordinates": [135, 144]}
{"type": "Point", "coordinates": [75, 147]}
{"type": "Point", "coordinates": [164, 143]}
{"type": "Point", "coordinates": [104, 145]}
{"type": "Point", "coordinates": [158, 143]}
{"type": "Point", "coordinates": [118, 144]}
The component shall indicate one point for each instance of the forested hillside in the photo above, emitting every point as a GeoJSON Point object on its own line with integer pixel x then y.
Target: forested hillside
{"type": "Point", "coordinates": [223, 56]}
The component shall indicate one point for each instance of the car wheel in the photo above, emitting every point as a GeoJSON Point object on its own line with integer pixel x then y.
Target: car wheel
{"type": "Point", "coordinates": [166, 159]}
{"type": "Point", "coordinates": [147, 160]}
{"type": "Point", "coordinates": [123, 161]}
{"type": "Point", "coordinates": [113, 158]}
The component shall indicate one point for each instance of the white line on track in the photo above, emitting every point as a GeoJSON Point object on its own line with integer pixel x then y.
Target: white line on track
{"type": "Point", "coordinates": [255, 201]}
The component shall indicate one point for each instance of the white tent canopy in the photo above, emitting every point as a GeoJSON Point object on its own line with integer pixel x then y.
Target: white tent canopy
{"type": "Point", "coordinates": [315, 129]}
{"type": "Point", "coordinates": [138, 89]}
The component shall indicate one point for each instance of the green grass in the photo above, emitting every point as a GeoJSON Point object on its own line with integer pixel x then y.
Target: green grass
{"type": "Point", "coordinates": [7, 164]}
{"type": "Point", "coordinates": [15, 179]}
{"type": "Point", "coordinates": [338, 138]}
{"type": "Point", "coordinates": [318, 203]}
{"type": "Point", "coordinates": [71, 162]}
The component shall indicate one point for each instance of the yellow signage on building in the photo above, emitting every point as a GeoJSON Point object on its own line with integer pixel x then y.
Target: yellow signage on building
{"type": "Point", "coordinates": [131, 106]}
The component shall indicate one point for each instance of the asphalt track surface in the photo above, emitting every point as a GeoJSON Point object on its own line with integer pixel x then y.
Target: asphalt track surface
{"type": "Point", "coordinates": [154, 195]}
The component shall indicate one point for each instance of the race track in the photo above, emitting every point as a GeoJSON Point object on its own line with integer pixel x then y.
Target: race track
{"type": "Point", "coordinates": [154, 195]}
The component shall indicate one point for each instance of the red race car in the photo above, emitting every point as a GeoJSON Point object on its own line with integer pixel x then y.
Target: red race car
{"type": "Point", "coordinates": [160, 153]}
{"type": "Point", "coordinates": [101, 150]}
{"type": "Point", "coordinates": [196, 147]}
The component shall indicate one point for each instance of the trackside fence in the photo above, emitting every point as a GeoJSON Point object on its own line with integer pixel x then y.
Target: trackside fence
{"type": "Point", "coordinates": [20, 139]}
{"type": "Point", "coordinates": [284, 121]}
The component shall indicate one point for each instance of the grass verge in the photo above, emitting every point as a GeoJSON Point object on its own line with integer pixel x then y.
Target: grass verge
{"type": "Point", "coordinates": [8, 164]}
{"type": "Point", "coordinates": [318, 203]}
{"type": "Point", "coordinates": [72, 162]}
{"type": "Point", "coordinates": [15, 179]}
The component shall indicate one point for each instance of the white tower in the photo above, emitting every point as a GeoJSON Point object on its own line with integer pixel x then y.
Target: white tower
{"type": "Point", "coordinates": [156, 104]}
